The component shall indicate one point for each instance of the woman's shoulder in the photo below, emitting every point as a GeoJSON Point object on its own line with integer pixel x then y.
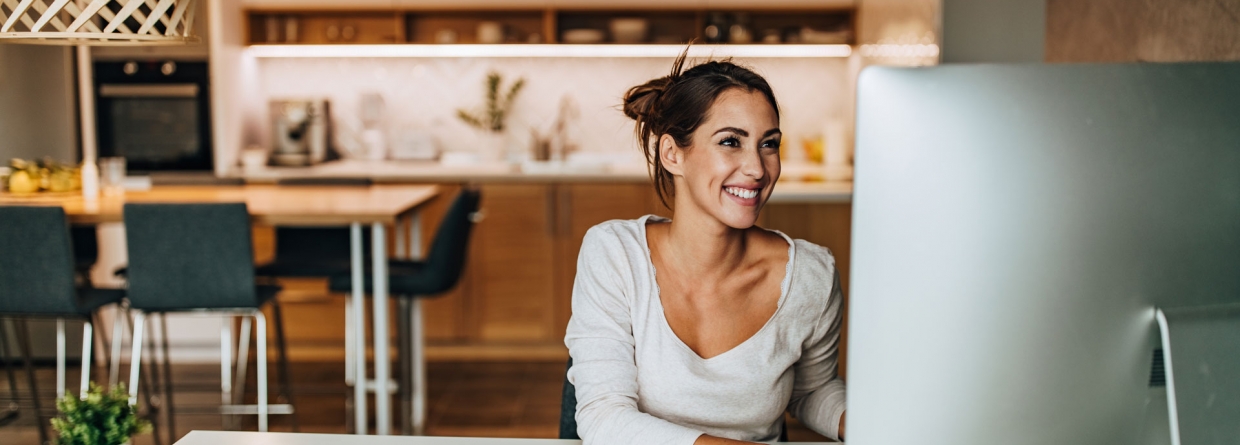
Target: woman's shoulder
{"type": "Point", "coordinates": [622, 231]}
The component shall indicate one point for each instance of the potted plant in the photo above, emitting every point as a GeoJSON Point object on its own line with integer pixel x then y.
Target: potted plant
{"type": "Point", "coordinates": [490, 119]}
{"type": "Point", "coordinates": [100, 418]}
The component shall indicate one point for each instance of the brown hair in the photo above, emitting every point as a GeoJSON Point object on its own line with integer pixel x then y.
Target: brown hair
{"type": "Point", "coordinates": [677, 104]}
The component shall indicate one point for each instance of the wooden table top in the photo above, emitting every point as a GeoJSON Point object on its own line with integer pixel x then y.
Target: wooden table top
{"type": "Point", "coordinates": [268, 204]}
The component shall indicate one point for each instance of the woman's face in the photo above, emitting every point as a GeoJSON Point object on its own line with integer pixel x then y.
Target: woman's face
{"type": "Point", "coordinates": [733, 162]}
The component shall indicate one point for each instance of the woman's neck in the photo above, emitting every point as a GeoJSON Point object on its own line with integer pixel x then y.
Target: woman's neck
{"type": "Point", "coordinates": [702, 246]}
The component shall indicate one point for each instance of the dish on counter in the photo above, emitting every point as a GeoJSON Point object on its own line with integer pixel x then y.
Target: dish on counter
{"type": "Point", "coordinates": [583, 35]}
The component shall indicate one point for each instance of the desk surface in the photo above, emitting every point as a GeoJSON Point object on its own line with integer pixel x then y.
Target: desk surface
{"type": "Point", "coordinates": [268, 204]}
{"type": "Point", "coordinates": [250, 438]}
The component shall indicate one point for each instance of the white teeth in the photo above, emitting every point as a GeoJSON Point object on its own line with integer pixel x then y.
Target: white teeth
{"type": "Point", "coordinates": [740, 192]}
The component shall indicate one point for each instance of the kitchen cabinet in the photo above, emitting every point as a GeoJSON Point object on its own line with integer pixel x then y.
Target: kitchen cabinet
{"type": "Point", "coordinates": [549, 21]}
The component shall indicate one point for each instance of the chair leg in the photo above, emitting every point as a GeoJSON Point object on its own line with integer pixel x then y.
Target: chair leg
{"type": "Point", "coordinates": [13, 410]}
{"type": "Point", "coordinates": [137, 328]}
{"type": "Point", "coordinates": [119, 315]}
{"type": "Point", "coordinates": [419, 368]}
{"type": "Point", "coordinates": [88, 340]}
{"type": "Point", "coordinates": [260, 324]}
{"type": "Point", "coordinates": [243, 361]}
{"type": "Point", "coordinates": [135, 357]}
{"type": "Point", "coordinates": [226, 364]}
{"type": "Point", "coordinates": [168, 405]}
{"type": "Point", "coordinates": [61, 352]}
{"type": "Point", "coordinates": [286, 388]}
{"type": "Point", "coordinates": [23, 342]}
{"type": "Point", "coordinates": [405, 347]}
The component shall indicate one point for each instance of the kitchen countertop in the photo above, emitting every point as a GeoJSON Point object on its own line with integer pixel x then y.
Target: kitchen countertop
{"type": "Point", "coordinates": [792, 187]}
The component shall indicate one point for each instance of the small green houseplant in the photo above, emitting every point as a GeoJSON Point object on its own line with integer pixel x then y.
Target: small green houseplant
{"type": "Point", "coordinates": [490, 118]}
{"type": "Point", "coordinates": [100, 418]}
{"type": "Point", "coordinates": [497, 106]}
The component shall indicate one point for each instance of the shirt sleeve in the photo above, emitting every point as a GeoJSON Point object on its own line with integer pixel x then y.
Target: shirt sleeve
{"type": "Point", "coordinates": [600, 341]}
{"type": "Point", "coordinates": [817, 390]}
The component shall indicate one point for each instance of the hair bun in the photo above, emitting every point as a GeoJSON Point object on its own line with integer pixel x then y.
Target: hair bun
{"type": "Point", "coordinates": [641, 102]}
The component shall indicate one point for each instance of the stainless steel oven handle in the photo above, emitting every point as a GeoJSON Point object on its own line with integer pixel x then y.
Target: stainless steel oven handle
{"type": "Point", "coordinates": [177, 90]}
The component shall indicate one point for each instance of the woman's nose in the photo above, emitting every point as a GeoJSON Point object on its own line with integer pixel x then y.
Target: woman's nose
{"type": "Point", "coordinates": [751, 165]}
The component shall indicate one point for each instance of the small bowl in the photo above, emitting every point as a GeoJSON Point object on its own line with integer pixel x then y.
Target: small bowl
{"type": "Point", "coordinates": [291, 160]}
{"type": "Point", "coordinates": [629, 30]}
{"type": "Point", "coordinates": [583, 35]}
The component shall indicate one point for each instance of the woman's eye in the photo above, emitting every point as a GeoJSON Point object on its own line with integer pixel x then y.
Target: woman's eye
{"type": "Point", "coordinates": [773, 144]}
{"type": "Point", "coordinates": [730, 142]}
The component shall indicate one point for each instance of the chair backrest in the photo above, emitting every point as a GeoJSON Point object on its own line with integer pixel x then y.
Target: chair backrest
{"type": "Point", "coordinates": [36, 262]}
{"type": "Point", "coordinates": [189, 256]}
{"type": "Point", "coordinates": [446, 259]}
{"type": "Point", "coordinates": [568, 407]}
{"type": "Point", "coordinates": [317, 244]}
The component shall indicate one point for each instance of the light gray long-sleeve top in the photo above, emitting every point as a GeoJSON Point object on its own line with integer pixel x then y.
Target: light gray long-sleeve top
{"type": "Point", "coordinates": [637, 382]}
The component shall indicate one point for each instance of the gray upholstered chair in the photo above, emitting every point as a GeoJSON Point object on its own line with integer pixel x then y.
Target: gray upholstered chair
{"type": "Point", "coordinates": [37, 279]}
{"type": "Point", "coordinates": [199, 258]}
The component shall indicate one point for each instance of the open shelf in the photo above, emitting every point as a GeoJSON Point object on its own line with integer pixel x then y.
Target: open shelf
{"type": "Point", "coordinates": [545, 50]}
{"type": "Point", "coordinates": [827, 26]}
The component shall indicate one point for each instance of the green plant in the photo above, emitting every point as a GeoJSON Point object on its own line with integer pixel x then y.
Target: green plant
{"type": "Point", "coordinates": [101, 418]}
{"type": "Point", "coordinates": [491, 118]}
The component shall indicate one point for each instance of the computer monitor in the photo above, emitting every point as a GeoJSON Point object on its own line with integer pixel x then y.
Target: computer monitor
{"type": "Point", "coordinates": [1014, 227]}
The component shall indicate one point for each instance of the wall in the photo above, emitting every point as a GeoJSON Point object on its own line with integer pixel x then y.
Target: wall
{"type": "Point", "coordinates": [37, 103]}
{"type": "Point", "coordinates": [994, 31]}
{"type": "Point", "coordinates": [423, 94]}
{"type": "Point", "coordinates": [1142, 31]}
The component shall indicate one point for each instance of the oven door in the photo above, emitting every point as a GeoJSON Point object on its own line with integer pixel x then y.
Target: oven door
{"type": "Point", "coordinates": [155, 126]}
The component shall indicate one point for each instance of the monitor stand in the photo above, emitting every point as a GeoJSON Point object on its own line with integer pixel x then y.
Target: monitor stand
{"type": "Point", "coordinates": [1201, 349]}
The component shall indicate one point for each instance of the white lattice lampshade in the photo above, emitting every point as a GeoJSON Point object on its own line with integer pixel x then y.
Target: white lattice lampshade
{"type": "Point", "coordinates": [97, 22]}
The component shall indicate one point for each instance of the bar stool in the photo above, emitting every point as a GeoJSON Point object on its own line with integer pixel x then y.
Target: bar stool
{"type": "Point", "coordinates": [37, 279]}
{"type": "Point", "coordinates": [413, 280]}
{"type": "Point", "coordinates": [198, 258]}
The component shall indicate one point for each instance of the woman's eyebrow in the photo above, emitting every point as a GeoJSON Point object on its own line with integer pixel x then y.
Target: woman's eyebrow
{"type": "Point", "coordinates": [771, 132]}
{"type": "Point", "coordinates": [733, 130]}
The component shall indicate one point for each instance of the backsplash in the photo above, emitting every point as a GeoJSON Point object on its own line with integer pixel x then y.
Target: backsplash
{"type": "Point", "coordinates": [423, 94]}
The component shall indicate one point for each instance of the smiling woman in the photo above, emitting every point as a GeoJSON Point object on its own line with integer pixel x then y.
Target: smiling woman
{"type": "Point", "coordinates": [704, 328]}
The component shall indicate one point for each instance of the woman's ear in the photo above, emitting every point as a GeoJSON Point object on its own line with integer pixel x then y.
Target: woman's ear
{"type": "Point", "coordinates": [670, 156]}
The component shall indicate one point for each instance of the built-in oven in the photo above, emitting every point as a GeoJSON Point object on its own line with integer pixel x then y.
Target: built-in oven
{"type": "Point", "coordinates": [155, 114]}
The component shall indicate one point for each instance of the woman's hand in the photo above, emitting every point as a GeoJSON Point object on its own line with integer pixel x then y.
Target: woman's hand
{"type": "Point", "coordinates": [712, 440]}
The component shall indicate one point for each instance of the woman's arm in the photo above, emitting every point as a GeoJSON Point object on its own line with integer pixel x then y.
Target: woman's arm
{"type": "Point", "coordinates": [817, 391]}
{"type": "Point", "coordinates": [600, 340]}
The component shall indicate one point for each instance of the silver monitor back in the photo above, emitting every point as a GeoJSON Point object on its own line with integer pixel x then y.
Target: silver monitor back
{"type": "Point", "coordinates": [1013, 228]}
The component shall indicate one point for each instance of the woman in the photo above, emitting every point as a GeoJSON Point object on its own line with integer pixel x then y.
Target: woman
{"type": "Point", "coordinates": [704, 328]}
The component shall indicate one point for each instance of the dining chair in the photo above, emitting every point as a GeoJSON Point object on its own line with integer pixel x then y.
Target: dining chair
{"type": "Point", "coordinates": [37, 280]}
{"type": "Point", "coordinates": [413, 280]}
{"type": "Point", "coordinates": [198, 258]}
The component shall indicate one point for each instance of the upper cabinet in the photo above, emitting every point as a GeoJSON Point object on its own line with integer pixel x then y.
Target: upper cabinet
{"type": "Point", "coordinates": [676, 22]}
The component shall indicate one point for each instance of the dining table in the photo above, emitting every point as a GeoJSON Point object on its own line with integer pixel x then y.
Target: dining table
{"type": "Point", "coordinates": [378, 206]}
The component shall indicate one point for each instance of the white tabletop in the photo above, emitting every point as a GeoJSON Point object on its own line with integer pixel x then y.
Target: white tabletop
{"type": "Point", "coordinates": [249, 438]}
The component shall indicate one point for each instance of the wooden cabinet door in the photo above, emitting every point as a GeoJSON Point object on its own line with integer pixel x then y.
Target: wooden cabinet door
{"type": "Point", "coordinates": [512, 274]}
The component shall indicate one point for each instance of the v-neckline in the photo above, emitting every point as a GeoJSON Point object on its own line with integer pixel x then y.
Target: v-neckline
{"type": "Point", "coordinates": [658, 292]}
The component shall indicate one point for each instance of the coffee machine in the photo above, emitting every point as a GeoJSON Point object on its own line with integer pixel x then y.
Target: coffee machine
{"type": "Point", "coordinates": [300, 131]}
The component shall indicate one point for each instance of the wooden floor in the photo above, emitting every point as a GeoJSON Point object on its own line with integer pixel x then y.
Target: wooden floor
{"type": "Point", "coordinates": [465, 399]}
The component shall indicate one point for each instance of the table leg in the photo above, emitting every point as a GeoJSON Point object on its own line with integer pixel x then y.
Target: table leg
{"type": "Point", "coordinates": [417, 350]}
{"type": "Point", "coordinates": [383, 410]}
{"type": "Point", "coordinates": [359, 329]}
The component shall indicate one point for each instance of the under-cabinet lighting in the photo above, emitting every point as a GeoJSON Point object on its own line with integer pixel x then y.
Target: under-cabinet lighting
{"type": "Point", "coordinates": [544, 50]}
